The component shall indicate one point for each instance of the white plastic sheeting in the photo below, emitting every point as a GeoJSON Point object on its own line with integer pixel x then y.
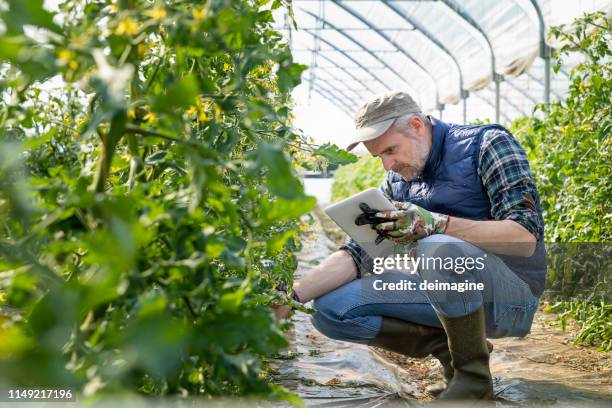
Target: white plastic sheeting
{"type": "Point", "coordinates": [433, 49]}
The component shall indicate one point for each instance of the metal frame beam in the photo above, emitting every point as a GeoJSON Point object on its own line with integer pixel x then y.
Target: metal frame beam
{"type": "Point", "coordinates": [511, 104]}
{"type": "Point", "coordinates": [457, 9]}
{"type": "Point", "coordinates": [350, 103]}
{"type": "Point", "coordinates": [345, 88]}
{"type": "Point", "coordinates": [400, 48]}
{"type": "Point", "coordinates": [521, 91]}
{"type": "Point", "coordinates": [434, 40]}
{"type": "Point", "coordinates": [536, 79]}
{"type": "Point", "coordinates": [544, 52]}
{"type": "Point", "coordinates": [332, 99]}
{"type": "Point", "coordinates": [359, 64]}
{"type": "Point", "coordinates": [347, 50]}
{"type": "Point", "coordinates": [492, 104]}
{"type": "Point", "coordinates": [347, 72]}
{"type": "Point", "coordinates": [359, 44]}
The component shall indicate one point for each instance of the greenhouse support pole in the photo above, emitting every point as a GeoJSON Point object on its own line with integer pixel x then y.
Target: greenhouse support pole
{"type": "Point", "coordinates": [387, 38]}
{"type": "Point", "coordinates": [457, 9]}
{"type": "Point", "coordinates": [348, 56]}
{"type": "Point", "coordinates": [431, 37]}
{"type": "Point", "coordinates": [464, 95]}
{"type": "Point", "coordinates": [441, 109]}
{"type": "Point", "coordinates": [497, 80]}
{"type": "Point", "coordinates": [544, 52]}
{"type": "Point", "coordinates": [365, 48]}
{"type": "Point", "coordinates": [547, 79]}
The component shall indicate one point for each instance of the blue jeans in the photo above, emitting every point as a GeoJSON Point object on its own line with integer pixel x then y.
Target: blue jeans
{"type": "Point", "coordinates": [353, 312]}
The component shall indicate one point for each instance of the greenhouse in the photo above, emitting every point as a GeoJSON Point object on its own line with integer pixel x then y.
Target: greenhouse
{"type": "Point", "coordinates": [311, 203]}
{"type": "Point", "coordinates": [463, 60]}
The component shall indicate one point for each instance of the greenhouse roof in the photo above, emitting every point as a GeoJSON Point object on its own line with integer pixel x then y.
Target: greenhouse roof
{"type": "Point", "coordinates": [451, 55]}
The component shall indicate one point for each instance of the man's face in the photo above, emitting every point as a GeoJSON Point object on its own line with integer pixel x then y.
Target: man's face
{"type": "Point", "coordinates": [405, 154]}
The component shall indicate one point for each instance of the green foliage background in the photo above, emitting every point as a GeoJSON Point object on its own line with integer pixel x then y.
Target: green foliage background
{"type": "Point", "coordinates": [570, 151]}
{"type": "Point", "coordinates": [353, 178]}
{"type": "Point", "coordinates": [148, 202]}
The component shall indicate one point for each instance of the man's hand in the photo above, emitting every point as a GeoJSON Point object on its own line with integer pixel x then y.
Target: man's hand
{"type": "Point", "coordinates": [410, 222]}
{"type": "Point", "coordinates": [369, 217]}
{"type": "Point", "coordinates": [281, 312]}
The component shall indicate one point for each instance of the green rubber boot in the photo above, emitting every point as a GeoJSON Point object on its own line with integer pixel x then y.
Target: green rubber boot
{"type": "Point", "coordinates": [418, 341]}
{"type": "Point", "coordinates": [470, 358]}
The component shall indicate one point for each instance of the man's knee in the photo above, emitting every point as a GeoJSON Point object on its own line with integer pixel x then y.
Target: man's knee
{"type": "Point", "coordinates": [434, 243]}
{"type": "Point", "coordinates": [336, 324]}
{"type": "Point", "coordinates": [326, 318]}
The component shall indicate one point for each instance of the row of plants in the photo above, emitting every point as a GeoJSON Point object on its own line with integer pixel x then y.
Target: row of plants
{"type": "Point", "coordinates": [148, 198]}
{"type": "Point", "coordinates": [569, 149]}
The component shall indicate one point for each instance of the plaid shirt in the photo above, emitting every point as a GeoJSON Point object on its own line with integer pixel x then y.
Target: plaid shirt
{"type": "Point", "coordinates": [504, 171]}
{"type": "Point", "coordinates": [505, 174]}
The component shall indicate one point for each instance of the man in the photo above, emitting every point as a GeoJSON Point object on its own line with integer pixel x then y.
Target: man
{"type": "Point", "coordinates": [461, 192]}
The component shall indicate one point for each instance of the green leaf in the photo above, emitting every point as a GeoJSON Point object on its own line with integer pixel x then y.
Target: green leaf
{"type": "Point", "coordinates": [28, 12]}
{"type": "Point", "coordinates": [289, 75]}
{"type": "Point", "coordinates": [230, 302]}
{"type": "Point", "coordinates": [277, 242]}
{"type": "Point", "coordinates": [152, 304]}
{"type": "Point", "coordinates": [280, 210]}
{"type": "Point", "coordinates": [279, 177]}
{"type": "Point", "coordinates": [335, 155]}
{"type": "Point", "coordinates": [181, 94]}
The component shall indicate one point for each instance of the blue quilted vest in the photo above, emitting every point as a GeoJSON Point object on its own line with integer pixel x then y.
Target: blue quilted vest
{"type": "Point", "coordinates": [450, 183]}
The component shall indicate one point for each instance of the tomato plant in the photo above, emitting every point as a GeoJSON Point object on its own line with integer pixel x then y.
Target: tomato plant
{"type": "Point", "coordinates": [570, 151]}
{"type": "Point", "coordinates": [148, 198]}
{"type": "Point", "coordinates": [568, 142]}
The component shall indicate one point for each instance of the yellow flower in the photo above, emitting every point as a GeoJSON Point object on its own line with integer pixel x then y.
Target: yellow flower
{"type": "Point", "coordinates": [113, 8]}
{"type": "Point", "coordinates": [217, 113]}
{"type": "Point", "coordinates": [80, 121]}
{"type": "Point", "coordinates": [127, 26]}
{"type": "Point", "coordinates": [150, 117]}
{"type": "Point", "coordinates": [198, 14]}
{"type": "Point", "coordinates": [143, 48]}
{"type": "Point", "coordinates": [2, 297]}
{"type": "Point", "coordinates": [203, 117]}
{"type": "Point", "coordinates": [192, 110]}
{"type": "Point", "coordinates": [158, 13]}
{"type": "Point", "coordinates": [64, 55]}
{"type": "Point", "coordinates": [226, 66]}
{"type": "Point", "coordinates": [263, 69]}
{"type": "Point", "coordinates": [131, 112]}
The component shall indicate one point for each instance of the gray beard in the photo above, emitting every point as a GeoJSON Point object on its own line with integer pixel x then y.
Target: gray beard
{"type": "Point", "coordinates": [417, 171]}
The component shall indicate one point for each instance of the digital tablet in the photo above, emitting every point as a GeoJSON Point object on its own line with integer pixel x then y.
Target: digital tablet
{"type": "Point", "coordinates": [344, 213]}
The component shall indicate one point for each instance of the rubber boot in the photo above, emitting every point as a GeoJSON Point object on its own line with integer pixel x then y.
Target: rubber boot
{"type": "Point", "coordinates": [418, 341]}
{"type": "Point", "coordinates": [470, 357]}
{"type": "Point", "coordinates": [447, 370]}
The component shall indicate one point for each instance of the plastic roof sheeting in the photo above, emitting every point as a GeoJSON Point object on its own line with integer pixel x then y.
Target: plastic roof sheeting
{"type": "Point", "coordinates": [433, 49]}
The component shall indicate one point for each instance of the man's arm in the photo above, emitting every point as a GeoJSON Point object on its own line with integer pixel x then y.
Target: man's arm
{"type": "Point", "coordinates": [502, 237]}
{"type": "Point", "coordinates": [335, 271]}
{"type": "Point", "coordinates": [505, 174]}
{"type": "Point", "coordinates": [341, 267]}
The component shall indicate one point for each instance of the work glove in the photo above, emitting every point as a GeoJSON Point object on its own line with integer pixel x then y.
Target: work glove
{"type": "Point", "coordinates": [408, 223]}
{"type": "Point", "coordinates": [369, 217]}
